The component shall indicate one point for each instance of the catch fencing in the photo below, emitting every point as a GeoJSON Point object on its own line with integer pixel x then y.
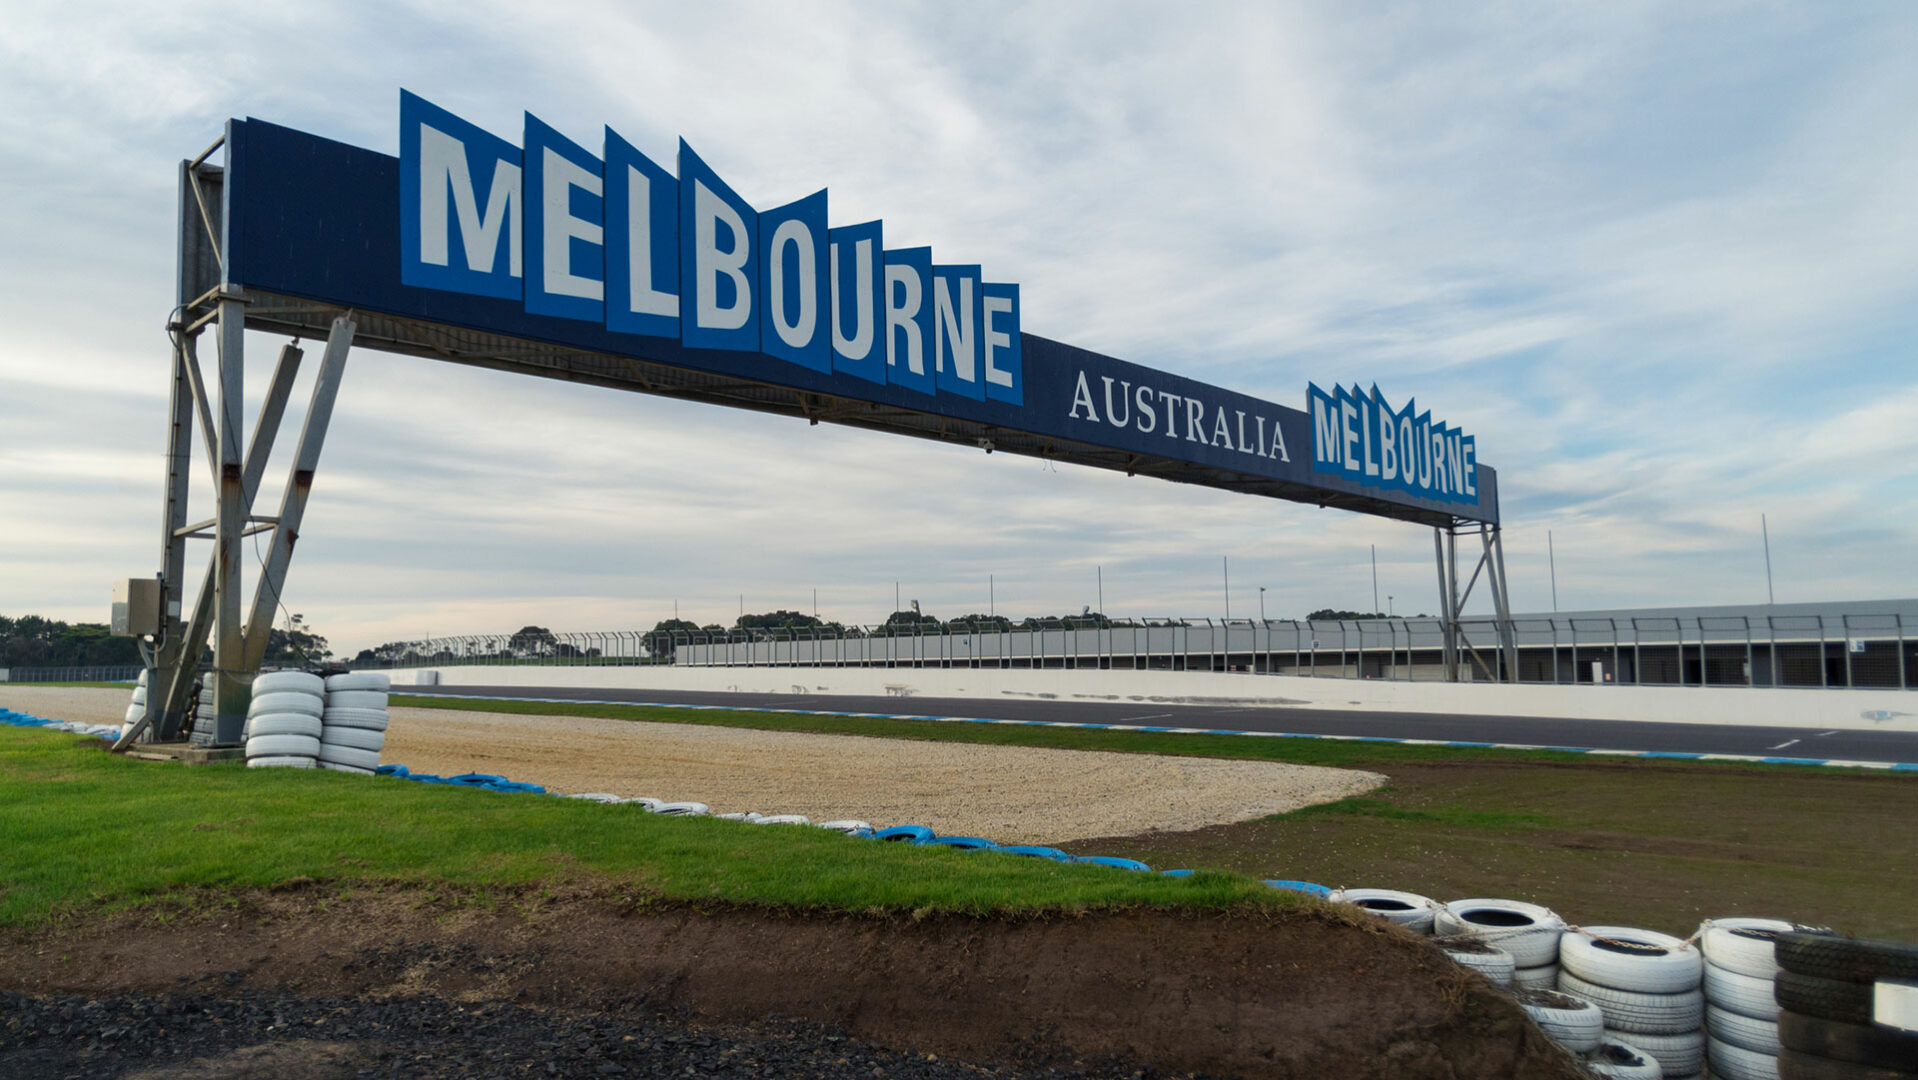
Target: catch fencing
{"type": "Point", "coordinates": [117, 673]}
{"type": "Point", "coordinates": [1877, 651]}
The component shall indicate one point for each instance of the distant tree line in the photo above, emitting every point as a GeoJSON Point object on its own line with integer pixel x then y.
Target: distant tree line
{"type": "Point", "coordinates": [33, 641]}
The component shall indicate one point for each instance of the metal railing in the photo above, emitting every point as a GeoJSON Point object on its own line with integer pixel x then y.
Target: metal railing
{"type": "Point", "coordinates": [1864, 651]}
{"type": "Point", "coordinates": [96, 673]}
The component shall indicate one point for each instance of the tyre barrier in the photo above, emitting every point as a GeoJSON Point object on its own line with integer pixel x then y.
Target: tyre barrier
{"type": "Point", "coordinates": [1037, 851]}
{"type": "Point", "coordinates": [1527, 931]}
{"type": "Point", "coordinates": [360, 681]}
{"type": "Point", "coordinates": [1745, 995]}
{"type": "Point", "coordinates": [1758, 1036]}
{"type": "Point", "coordinates": [283, 723]}
{"type": "Point", "coordinates": [1831, 956]}
{"type": "Point", "coordinates": [1794, 1065]}
{"type": "Point", "coordinates": [283, 720]}
{"type": "Point", "coordinates": [18, 719]}
{"type": "Point", "coordinates": [1647, 984]}
{"type": "Point", "coordinates": [1310, 888]}
{"type": "Point", "coordinates": [1630, 1012]}
{"type": "Point", "coordinates": [1827, 987]}
{"type": "Point", "coordinates": [1616, 1059]}
{"type": "Point", "coordinates": [1825, 999]}
{"type": "Point", "coordinates": [355, 721]}
{"type": "Point", "coordinates": [1468, 951]}
{"type": "Point", "coordinates": [1112, 861]}
{"type": "Point", "coordinates": [304, 682]}
{"type": "Point", "coordinates": [1867, 1046]}
{"type": "Point", "coordinates": [1627, 958]}
{"type": "Point", "coordinates": [136, 709]}
{"type": "Point", "coordinates": [370, 719]}
{"type": "Point", "coordinates": [1731, 1062]}
{"type": "Point", "coordinates": [286, 701]}
{"type": "Point", "coordinates": [1678, 1055]}
{"type": "Point", "coordinates": [357, 699]}
{"type": "Point", "coordinates": [963, 843]}
{"type": "Point", "coordinates": [682, 809]}
{"type": "Point", "coordinates": [260, 746]}
{"type": "Point", "coordinates": [1743, 945]}
{"type": "Point", "coordinates": [1571, 1022]}
{"type": "Point", "coordinates": [280, 761]}
{"type": "Point", "coordinates": [1543, 977]}
{"type": "Point", "coordinates": [1410, 910]}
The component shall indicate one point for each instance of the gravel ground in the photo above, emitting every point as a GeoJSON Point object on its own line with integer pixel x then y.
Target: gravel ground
{"type": "Point", "coordinates": [1008, 794]}
{"type": "Point", "coordinates": [81, 704]}
{"type": "Point", "coordinates": [259, 1036]}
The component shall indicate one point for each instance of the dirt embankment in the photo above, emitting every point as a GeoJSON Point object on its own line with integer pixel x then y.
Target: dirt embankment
{"type": "Point", "coordinates": [1311, 993]}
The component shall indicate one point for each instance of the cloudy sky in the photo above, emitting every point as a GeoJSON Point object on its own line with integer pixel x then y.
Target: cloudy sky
{"type": "Point", "coordinates": [1662, 259]}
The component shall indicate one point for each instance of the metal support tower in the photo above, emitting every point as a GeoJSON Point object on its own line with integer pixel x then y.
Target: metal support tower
{"type": "Point", "coordinates": [239, 644]}
{"type": "Point", "coordinates": [1457, 647]}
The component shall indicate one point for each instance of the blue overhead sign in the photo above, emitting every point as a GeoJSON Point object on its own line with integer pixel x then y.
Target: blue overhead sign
{"type": "Point", "coordinates": [606, 250]}
{"type": "Point", "coordinates": [1358, 436]}
{"type": "Point", "coordinates": [616, 239]}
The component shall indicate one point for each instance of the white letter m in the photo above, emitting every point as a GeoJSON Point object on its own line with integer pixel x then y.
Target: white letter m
{"type": "Point", "coordinates": [443, 168]}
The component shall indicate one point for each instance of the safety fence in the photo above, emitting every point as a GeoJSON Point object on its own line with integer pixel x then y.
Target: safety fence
{"type": "Point", "coordinates": [116, 673]}
{"type": "Point", "coordinates": [1841, 650]}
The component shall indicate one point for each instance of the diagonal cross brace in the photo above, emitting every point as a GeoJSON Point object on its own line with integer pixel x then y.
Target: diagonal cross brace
{"type": "Point", "coordinates": [184, 659]}
{"type": "Point", "coordinates": [306, 460]}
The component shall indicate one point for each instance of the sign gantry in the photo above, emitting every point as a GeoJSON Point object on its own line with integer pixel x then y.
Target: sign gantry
{"type": "Point", "coordinates": [546, 258]}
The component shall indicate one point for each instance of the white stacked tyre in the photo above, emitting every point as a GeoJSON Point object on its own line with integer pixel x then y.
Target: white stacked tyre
{"type": "Point", "coordinates": [283, 721]}
{"type": "Point", "coordinates": [1741, 1013]}
{"type": "Point", "coordinates": [1570, 1021]}
{"type": "Point", "coordinates": [203, 710]}
{"type": "Point", "coordinates": [1527, 931]}
{"type": "Point", "coordinates": [1488, 960]}
{"type": "Point", "coordinates": [355, 729]}
{"type": "Point", "coordinates": [1647, 985]}
{"type": "Point", "coordinates": [137, 708]}
{"type": "Point", "coordinates": [1409, 910]}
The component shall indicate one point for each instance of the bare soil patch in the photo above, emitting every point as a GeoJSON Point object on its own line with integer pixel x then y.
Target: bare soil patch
{"type": "Point", "coordinates": [1309, 992]}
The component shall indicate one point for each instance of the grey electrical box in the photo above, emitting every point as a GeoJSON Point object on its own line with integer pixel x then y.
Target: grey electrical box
{"type": "Point", "coordinates": [136, 607]}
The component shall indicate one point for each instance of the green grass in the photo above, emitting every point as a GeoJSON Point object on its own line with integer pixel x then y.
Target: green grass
{"type": "Point", "coordinates": [86, 831]}
{"type": "Point", "coordinates": [1617, 841]}
{"type": "Point", "coordinates": [1650, 842]}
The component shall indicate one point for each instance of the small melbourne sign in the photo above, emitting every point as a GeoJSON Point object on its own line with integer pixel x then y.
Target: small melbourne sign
{"type": "Point", "coordinates": [1360, 437]}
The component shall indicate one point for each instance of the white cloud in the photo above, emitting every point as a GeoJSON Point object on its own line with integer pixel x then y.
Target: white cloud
{"type": "Point", "coordinates": [1663, 261]}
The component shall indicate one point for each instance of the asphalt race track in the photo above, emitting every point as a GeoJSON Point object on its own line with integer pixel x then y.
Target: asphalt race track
{"type": "Point", "coordinates": [1777, 742]}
